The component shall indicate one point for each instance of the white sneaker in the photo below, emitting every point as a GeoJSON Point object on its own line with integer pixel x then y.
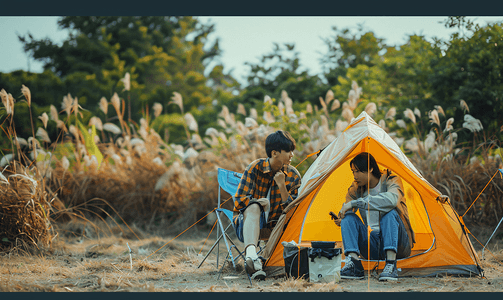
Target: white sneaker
{"type": "Point", "coordinates": [254, 268]}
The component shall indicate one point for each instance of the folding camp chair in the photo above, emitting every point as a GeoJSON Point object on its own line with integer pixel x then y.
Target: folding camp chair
{"type": "Point", "coordinates": [228, 181]}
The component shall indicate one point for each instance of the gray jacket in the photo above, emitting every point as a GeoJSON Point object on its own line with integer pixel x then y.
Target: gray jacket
{"type": "Point", "coordinates": [390, 197]}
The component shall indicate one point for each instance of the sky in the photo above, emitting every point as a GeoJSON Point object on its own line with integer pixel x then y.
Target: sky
{"type": "Point", "coordinates": [245, 39]}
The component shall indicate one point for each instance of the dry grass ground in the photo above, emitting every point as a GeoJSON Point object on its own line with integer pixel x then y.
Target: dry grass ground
{"type": "Point", "coordinates": [82, 264]}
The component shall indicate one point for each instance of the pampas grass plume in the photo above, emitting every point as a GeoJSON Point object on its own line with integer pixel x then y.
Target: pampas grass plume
{"type": "Point", "coordinates": [371, 108]}
{"type": "Point", "coordinates": [116, 103]}
{"type": "Point", "coordinates": [464, 106]}
{"type": "Point", "coordinates": [111, 127]}
{"type": "Point", "coordinates": [42, 134]}
{"type": "Point", "coordinates": [409, 114]}
{"type": "Point", "coordinates": [241, 109]}
{"type": "Point", "coordinates": [391, 113]}
{"type": "Point", "coordinates": [178, 100]}
{"type": "Point", "coordinates": [472, 124]}
{"type": "Point", "coordinates": [382, 124]}
{"type": "Point", "coordinates": [401, 123]}
{"type": "Point", "coordinates": [104, 105]}
{"type": "Point", "coordinates": [335, 105]}
{"type": "Point", "coordinates": [417, 112]}
{"type": "Point", "coordinates": [433, 115]}
{"type": "Point", "coordinates": [11, 104]}
{"type": "Point", "coordinates": [253, 113]}
{"type": "Point", "coordinates": [127, 82]}
{"type": "Point", "coordinates": [222, 123]}
{"type": "Point", "coordinates": [54, 113]}
{"type": "Point", "coordinates": [65, 163]}
{"type": "Point", "coordinates": [440, 110]}
{"type": "Point", "coordinates": [211, 131]}
{"type": "Point", "coordinates": [309, 108]}
{"type": "Point", "coordinates": [96, 122]}
{"type": "Point", "coordinates": [44, 117]}
{"type": "Point", "coordinates": [157, 108]}
{"type": "Point", "coordinates": [323, 104]}
{"type": "Point", "coordinates": [268, 117]}
{"type": "Point", "coordinates": [281, 109]}
{"type": "Point", "coordinates": [412, 144]}
{"type": "Point", "coordinates": [329, 96]}
{"type": "Point", "coordinates": [191, 122]}
{"type": "Point", "coordinates": [347, 114]}
{"type": "Point", "coordinates": [251, 123]}
{"type": "Point", "coordinates": [61, 125]}
{"type": "Point", "coordinates": [27, 94]}
{"type": "Point", "coordinates": [21, 141]}
{"type": "Point", "coordinates": [67, 103]}
{"type": "Point", "coordinates": [5, 98]}
{"type": "Point", "coordinates": [267, 99]}
{"type": "Point", "coordinates": [448, 125]}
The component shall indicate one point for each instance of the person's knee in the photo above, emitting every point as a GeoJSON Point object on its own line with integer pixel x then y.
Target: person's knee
{"type": "Point", "coordinates": [391, 216]}
{"type": "Point", "coordinates": [253, 210]}
{"type": "Point", "coordinates": [348, 219]}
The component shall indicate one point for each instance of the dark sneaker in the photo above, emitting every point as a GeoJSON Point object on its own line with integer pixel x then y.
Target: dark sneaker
{"type": "Point", "coordinates": [353, 269]}
{"type": "Point", "coordinates": [389, 272]}
{"type": "Point", "coordinates": [254, 268]}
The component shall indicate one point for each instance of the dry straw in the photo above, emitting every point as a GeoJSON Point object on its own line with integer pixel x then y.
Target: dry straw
{"type": "Point", "coordinates": [25, 209]}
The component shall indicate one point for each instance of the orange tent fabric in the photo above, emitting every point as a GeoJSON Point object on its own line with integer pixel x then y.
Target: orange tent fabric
{"type": "Point", "coordinates": [442, 245]}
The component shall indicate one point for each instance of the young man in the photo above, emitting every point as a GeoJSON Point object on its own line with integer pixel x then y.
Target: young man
{"type": "Point", "coordinates": [384, 211]}
{"type": "Point", "coordinates": [267, 186]}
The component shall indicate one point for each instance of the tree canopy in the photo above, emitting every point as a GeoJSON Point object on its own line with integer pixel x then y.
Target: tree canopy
{"type": "Point", "coordinates": [162, 54]}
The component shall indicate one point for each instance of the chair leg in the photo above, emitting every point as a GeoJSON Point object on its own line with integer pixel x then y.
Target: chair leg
{"type": "Point", "coordinates": [241, 254]}
{"type": "Point", "coordinates": [225, 240]}
{"type": "Point", "coordinates": [211, 249]}
{"type": "Point", "coordinates": [217, 242]}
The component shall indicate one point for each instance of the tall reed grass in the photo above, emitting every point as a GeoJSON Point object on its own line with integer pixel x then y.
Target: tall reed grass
{"type": "Point", "coordinates": [129, 173]}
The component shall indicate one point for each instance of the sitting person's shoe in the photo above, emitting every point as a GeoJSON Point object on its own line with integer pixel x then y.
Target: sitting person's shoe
{"type": "Point", "coordinates": [254, 268]}
{"type": "Point", "coordinates": [353, 269]}
{"type": "Point", "coordinates": [389, 272]}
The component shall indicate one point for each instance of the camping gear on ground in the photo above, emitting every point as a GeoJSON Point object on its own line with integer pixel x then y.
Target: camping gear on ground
{"type": "Point", "coordinates": [319, 263]}
{"type": "Point", "coordinates": [324, 264]}
{"type": "Point", "coordinates": [442, 245]}
{"type": "Point", "coordinates": [295, 258]}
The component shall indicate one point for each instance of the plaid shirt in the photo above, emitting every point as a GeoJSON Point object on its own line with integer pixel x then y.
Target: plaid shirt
{"type": "Point", "coordinates": [255, 184]}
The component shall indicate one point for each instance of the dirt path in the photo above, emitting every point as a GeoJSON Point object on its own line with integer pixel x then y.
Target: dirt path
{"type": "Point", "coordinates": [90, 265]}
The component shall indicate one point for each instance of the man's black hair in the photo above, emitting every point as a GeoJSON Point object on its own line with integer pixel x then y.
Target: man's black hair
{"type": "Point", "coordinates": [364, 162]}
{"type": "Point", "coordinates": [279, 140]}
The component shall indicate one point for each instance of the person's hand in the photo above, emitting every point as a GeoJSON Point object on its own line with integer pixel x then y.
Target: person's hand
{"type": "Point", "coordinates": [338, 221]}
{"type": "Point", "coordinates": [345, 207]}
{"type": "Point", "coordinates": [279, 178]}
{"type": "Point", "coordinates": [264, 202]}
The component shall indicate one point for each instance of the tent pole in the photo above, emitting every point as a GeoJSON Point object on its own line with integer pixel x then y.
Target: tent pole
{"type": "Point", "coordinates": [490, 238]}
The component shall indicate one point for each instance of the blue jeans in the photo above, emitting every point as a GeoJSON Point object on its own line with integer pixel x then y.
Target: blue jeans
{"type": "Point", "coordinates": [239, 221]}
{"type": "Point", "coordinates": [391, 236]}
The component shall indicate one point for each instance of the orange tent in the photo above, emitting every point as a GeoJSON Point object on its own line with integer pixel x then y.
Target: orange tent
{"type": "Point", "coordinates": [442, 245]}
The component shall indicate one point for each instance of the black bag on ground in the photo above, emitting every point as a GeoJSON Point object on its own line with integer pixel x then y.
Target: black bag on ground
{"type": "Point", "coordinates": [324, 258]}
{"type": "Point", "coordinates": [294, 256]}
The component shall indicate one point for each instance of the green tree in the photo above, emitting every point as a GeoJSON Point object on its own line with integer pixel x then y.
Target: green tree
{"type": "Point", "coordinates": [470, 69]}
{"type": "Point", "coordinates": [348, 50]}
{"type": "Point", "coordinates": [162, 54]}
{"type": "Point", "coordinates": [277, 71]}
